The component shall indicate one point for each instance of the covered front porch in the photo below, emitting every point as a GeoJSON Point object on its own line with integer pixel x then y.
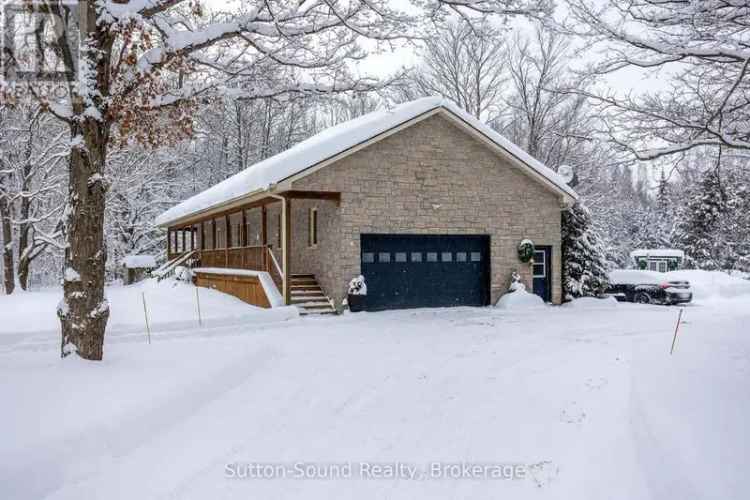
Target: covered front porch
{"type": "Point", "coordinates": [254, 235]}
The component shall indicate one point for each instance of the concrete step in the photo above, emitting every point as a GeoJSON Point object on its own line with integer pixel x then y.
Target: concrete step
{"type": "Point", "coordinates": [314, 305]}
{"type": "Point", "coordinates": [309, 291]}
{"type": "Point", "coordinates": [306, 294]}
{"type": "Point", "coordinates": [316, 299]}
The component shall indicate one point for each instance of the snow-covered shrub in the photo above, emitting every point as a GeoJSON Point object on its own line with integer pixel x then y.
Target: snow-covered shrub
{"type": "Point", "coordinates": [516, 283]}
{"type": "Point", "coordinates": [182, 273]}
{"type": "Point", "coordinates": [357, 286]}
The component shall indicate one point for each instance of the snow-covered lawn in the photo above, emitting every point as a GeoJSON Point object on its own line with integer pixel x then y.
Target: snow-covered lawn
{"type": "Point", "coordinates": [171, 305]}
{"type": "Point", "coordinates": [586, 398]}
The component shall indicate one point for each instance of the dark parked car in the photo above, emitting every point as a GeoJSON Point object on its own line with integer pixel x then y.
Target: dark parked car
{"type": "Point", "coordinates": [648, 287]}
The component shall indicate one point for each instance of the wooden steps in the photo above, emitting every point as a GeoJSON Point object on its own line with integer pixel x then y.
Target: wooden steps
{"type": "Point", "coordinates": [306, 294]}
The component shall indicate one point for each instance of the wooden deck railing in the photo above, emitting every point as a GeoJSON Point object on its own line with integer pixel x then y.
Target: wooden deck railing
{"type": "Point", "coordinates": [253, 258]}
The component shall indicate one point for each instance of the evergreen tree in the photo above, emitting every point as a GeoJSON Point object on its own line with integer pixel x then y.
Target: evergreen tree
{"type": "Point", "coordinates": [701, 224]}
{"type": "Point", "coordinates": [656, 231]}
{"type": "Point", "coordinates": [583, 255]}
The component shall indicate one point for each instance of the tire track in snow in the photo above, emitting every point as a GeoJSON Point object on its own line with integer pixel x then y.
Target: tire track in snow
{"type": "Point", "coordinates": [107, 442]}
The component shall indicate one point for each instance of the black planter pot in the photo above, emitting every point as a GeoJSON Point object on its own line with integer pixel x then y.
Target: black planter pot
{"type": "Point", "coordinates": [356, 302]}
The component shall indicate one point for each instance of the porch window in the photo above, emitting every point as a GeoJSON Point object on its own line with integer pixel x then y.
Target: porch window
{"type": "Point", "coordinates": [208, 235]}
{"type": "Point", "coordinates": [312, 223]}
{"type": "Point", "coordinates": [197, 241]}
{"type": "Point", "coordinates": [253, 223]}
{"type": "Point", "coordinates": [221, 232]}
{"type": "Point", "coordinates": [235, 222]}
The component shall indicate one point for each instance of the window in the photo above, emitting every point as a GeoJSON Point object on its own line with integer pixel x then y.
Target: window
{"type": "Point", "coordinates": [447, 257]}
{"type": "Point", "coordinates": [539, 269]}
{"type": "Point", "coordinates": [197, 241]}
{"type": "Point", "coordinates": [208, 235]}
{"type": "Point", "coordinates": [416, 256]}
{"type": "Point", "coordinates": [476, 256]}
{"type": "Point", "coordinates": [235, 224]}
{"type": "Point", "coordinates": [400, 256]}
{"type": "Point", "coordinates": [221, 232]}
{"type": "Point", "coordinates": [652, 265]}
{"type": "Point", "coordinates": [432, 257]}
{"type": "Point", "coordinates": [662, 266]}
{"type": "Point", "coordinates": [312, 222]}
{"type": "Point", "coordinates": [384, 257]}
{"type": "Point", "coordinates": [461, 256]}
{"type": "Point", "coordinates": [368, 257]}
{"type": "Point", "coordinates": [253, 226]}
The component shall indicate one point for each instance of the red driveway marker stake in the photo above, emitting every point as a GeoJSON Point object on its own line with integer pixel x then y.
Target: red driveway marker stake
{"type": "Point", "coordinates": [676, 329]}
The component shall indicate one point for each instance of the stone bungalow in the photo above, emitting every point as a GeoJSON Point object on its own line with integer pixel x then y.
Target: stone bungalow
{"type": "Point", "coordinates": [425, 201]}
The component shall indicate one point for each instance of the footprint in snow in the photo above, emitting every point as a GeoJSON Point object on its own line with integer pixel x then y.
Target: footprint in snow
{"type": "Point", "coordinates": [543, 473]}
{"type": "Point", "coordinates": [596, 383]}
{"type": "Point", "coordinates": [572, 414]}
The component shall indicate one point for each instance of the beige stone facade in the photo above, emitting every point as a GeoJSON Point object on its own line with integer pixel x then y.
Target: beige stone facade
{"type": "Point", "coordinates": [429, 178]}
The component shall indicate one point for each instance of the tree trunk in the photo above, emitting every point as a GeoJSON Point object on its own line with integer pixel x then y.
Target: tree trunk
{"type": "Point", "coordinates": [7, 231]}
{"type": "Point", "coordinates": [84, 311]}
{"type": "Point", "coordinates": [23, 273]}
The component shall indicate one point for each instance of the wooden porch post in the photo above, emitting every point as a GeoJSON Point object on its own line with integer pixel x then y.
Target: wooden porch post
{"type": "Point", "coordinates": [264, 236]}
{"type": "Point", "coordinates": [227, 240]}
{"type": "Point", "coordinates": [243, 229]}
{"type": "Point", "coordinates": [213, 234]}
{"type": "Point", "coordinates": [287, 249]}
{"type": "Point", "coordinates": [243, 237]}
{"type": "Point", "coordinates": [203, 237]}
{"type": "Point", "coordinates": [169, 243]}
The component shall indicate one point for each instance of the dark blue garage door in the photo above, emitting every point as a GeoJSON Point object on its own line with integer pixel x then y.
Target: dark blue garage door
{"type": "Point", "coordinates": [403, 271]}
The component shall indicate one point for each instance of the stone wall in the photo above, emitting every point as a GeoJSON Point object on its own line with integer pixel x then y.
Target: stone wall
{"type": "Point", "coordinates": [430, 178]}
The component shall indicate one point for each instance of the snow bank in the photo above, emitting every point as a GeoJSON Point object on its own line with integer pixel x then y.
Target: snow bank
{"type": "Point", "coordinates": [519, 300]}
{"type": "Point", "coordinates": [333, 141]}
{"type": "Point", "coordinates": [591, 303]}
{"type": "Point", "coordinates": [712, 285]}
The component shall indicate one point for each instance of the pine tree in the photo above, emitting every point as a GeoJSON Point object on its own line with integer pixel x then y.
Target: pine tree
{"type": "Point", "coordinates": [583, 255]}
{"type": "Point", "coordinates": [659, 219]}
{"type": "Point", "coordinates": [700, 221]}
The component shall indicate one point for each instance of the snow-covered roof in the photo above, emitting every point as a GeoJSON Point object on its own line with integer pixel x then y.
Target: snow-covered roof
{"type": "Point", "coordinates": [336, 140]}
{"type": "Point", "coordinates": [139, 261]}
{"type": "Point", "coordinates": [657, 252]}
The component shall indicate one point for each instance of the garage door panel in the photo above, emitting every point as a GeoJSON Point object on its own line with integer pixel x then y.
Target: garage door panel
{"type": "Point", "coordinates": [425, 271]}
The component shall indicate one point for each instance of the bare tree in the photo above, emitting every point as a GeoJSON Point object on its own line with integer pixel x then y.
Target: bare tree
{"type": "Point", "coordinates": [33, 150]}
{"type": "Point", "coordinates": [551, 124]}
{"type": "Point", "coordinates": [464, 62]}
{"type": "Point", "coordinates": [700, 47]}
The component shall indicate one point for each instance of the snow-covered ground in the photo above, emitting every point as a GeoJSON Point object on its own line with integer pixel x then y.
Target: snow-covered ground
{"type": "Point", "coordinates": [170, 305]}
{"type": "Point", "coordinates": [585, 398]}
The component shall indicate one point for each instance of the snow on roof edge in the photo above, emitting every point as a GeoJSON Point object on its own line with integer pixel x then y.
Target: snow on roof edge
{"type": "Point", "coordinates": [657, 252]}
{"type": "Point", "coordinates": [333, 141]}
